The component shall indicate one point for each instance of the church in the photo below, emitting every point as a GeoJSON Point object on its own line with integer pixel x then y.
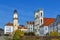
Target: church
{"type": "Point", "coordinates": [10, 27]}
{"type": "Point", "coordinates": [42, 25]}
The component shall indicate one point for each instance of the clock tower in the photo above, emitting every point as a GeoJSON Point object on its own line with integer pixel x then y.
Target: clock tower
{"type": "Point", "coordinates": [15, 20]}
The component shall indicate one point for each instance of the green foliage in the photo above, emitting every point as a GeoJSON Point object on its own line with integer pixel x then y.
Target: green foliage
{"type": "Point", "coordinates": [58, 34]}
{"type": "Point", "coordinates": [53, 33]}
{"type": "Point", "coordinates": [18, 34]}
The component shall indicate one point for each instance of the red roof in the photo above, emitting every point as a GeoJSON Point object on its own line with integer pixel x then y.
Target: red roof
{"type": "Point", "coordinates": [48, 21]}
{"type": "Point", "coordinates": [9, 24]}
{"type": "Point", "coordinates": [22, 27]}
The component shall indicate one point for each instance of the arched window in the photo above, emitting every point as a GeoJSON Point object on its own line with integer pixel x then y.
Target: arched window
{"type": "Point", "coordinates": [41, 14]}
{"type": "Point", "coordinates": [41, 20]}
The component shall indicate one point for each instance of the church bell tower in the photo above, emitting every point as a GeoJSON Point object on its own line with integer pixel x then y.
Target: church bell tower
{"type": "Point", "coordinates": [38, 21]}
{"type": "Point", "coordinates": [15, 20]}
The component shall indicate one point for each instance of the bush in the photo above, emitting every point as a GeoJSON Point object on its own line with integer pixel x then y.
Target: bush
{"type": "Point", "coordinates": [18, 34]}
{"type": "Point", "coordinates": [53, 33]}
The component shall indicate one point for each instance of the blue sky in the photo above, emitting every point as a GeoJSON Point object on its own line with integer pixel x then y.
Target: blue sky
{"type": "Point", "coordinates": [26, 9]}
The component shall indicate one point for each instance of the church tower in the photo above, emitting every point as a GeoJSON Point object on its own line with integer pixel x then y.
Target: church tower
{"type": "Point", "coordinates": [15, 20]}
{"type": "Point", "coordinates": [38, 21]}
{"type": "Point", "coordinates": [41, 16]}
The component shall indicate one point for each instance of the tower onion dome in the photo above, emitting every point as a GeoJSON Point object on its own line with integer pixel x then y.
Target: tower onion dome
{"type": "Point", "coordinates": [15, 14]}
{"type": "Point", "coordinates": [15, 11]}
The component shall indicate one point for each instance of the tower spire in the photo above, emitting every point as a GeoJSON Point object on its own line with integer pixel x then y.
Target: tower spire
{"type": "Point", "coordinates": [15, 11]}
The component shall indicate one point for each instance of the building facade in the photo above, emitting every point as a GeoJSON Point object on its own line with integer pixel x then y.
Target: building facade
{"type": "Point", "coordinates": [47, 26]}
{"type": "Point", "coordinates": [57, 24]}
{"type": "Point", "coordinates": [22, 28]}
{"type": "Point", "coordinates": [38, 21]}
{"type": "Point", "coordinates": [8, 28]}
{"type": "Point", "coordinates": [30, 26]}
{"type": "Point", "coordinates": [42, 25]}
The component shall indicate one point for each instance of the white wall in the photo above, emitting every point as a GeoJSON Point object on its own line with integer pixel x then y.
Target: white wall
{"type": "Point", "coordinates": [37, 21]}
{"type": "Point", "coordinates": [46, 29]}
{"type": "Point", "coordinates": [41, 31]}
{"type": "Point", "coordinates": [30, 28]}
{"type": "Point", "coordinates": [8, 29]}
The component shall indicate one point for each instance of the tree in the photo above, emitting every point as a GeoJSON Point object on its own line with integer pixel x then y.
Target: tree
{"type": "Point", "coordinates": [18, 34]}
{"type": "Point", "coordinates": [53, 33]}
